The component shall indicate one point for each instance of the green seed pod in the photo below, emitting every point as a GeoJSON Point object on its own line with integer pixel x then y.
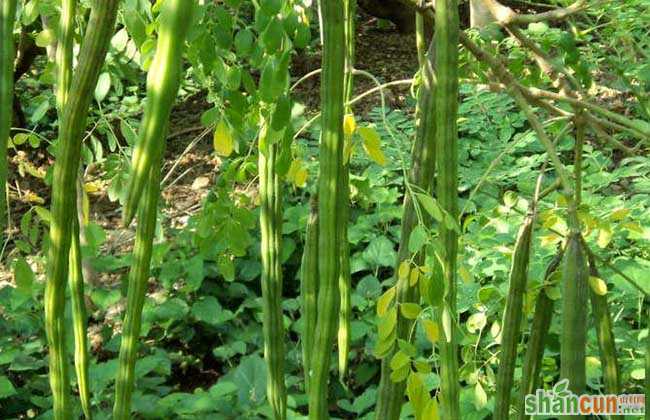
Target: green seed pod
{"type": "Point", "coordinates": [532, 366]}
{"type": "Point", "coordinates": [163, 80]}
{"type": "Point", "coordinates": [72, 124]}
{"type": "Point", "coordinates": [309, 289]}
{"type": "Point", "coordinates": [271, 238]}
{"type": "Point", "coordinates": [79, 320]}
{"type": "Point", "coordinates": [575, 275]}
{"type": "Point", "coordinates": [331, 155]}
{"type": "Point", "coordinates": [446, 114]}
{"type": "Point", "coordinates": [605, 334]}
{"type": "Point", "coordinates": [8, 10]}
{"type": "Point", "coordinates": [512, 318]}
{"type": "Point", "coordinates": [138, 276]}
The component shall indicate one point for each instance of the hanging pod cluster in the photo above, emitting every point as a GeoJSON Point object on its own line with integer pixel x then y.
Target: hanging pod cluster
{"type": "Point", "coordinates": [163, 81]}
{"type": "Point", "coordinates": [72, 125]}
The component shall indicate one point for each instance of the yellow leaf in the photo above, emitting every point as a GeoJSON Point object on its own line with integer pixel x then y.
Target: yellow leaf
{"type": "Point", "coordinates": [404, 269]}
{"type": "Point", "coordinates": [480, 397]}
{"type": "Point", "coordinates": [385, 300]}
{"type": "Point", "coordinates": [604, 236]}
{"type": "Point", "coordinates": [372, 144]}
{"type": "Point", "coordinates": [349, 124]}
{"type": "Point", "coordinates": [619, 214]}
{"type": "Point", "coordinates": [413, 277]}
{"type": "Point", "coordinates": [431, 410]}
{"type": "Point", "coordinates": [223, 141]}
{"type": "Point", "coordinates": [297, 173]}
{"type": "Point", "coordinates": [598, 285]}
{"type": "Point", "coordinates": [465, 274]}
{"type": "Point", "coordinates": [632, 226]}
{"type": "Point", "coordinates": [431, 330]}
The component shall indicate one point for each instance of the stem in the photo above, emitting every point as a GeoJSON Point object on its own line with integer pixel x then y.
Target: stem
{"type": "Point", "coordinates": [72, 124]}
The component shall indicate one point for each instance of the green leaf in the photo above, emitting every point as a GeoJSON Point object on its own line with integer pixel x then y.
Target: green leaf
{"type": "Point", "coordinates": [6, 387]}
{"type": "Point", "coordinates": [386, 324]}
{"type": "Point", "coordinates": [407, 348]}
{"type": "Point", "coordinates": [431, 206]}
{"type": "Point", "coordinates": [250, 379]}
{"type": "Point", "coordinates": [418, 238]}
{"type": "Point", "coordinates": [272, 7]}
{"type": "Point", "coordinates": [271, 38]}
{"type": "Point", "coordinates": [400, 374]}
{"type": "Point", "coordinates": [399, 360]}
{"type": "Point", "coordinates": [410, 310]}
{"type": "Point", "coordinates": [23, 276]}
{"type": "Point", "coordinates": [380, 252]}
{"type": "Point", "coordinates": [244, 42]}
{"type": "Point", "coordinates": [209, 310]}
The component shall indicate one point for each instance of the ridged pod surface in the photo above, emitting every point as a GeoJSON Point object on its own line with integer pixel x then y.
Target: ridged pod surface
{"type": "Point", "coordinates": [345, 278]}
{"type": "Point", "coordinates": [162, 87]}
{"type": "Point", "coordinates": [510, 331]}
{"type": "Point", "coordinates": [532, 366]}
{"type": "Point", "coordinates": [138, 276]}
{"type": "Point", "coordinates": [64, 58]}
{"type": "Point", "coordinates": [163, 80]}
{"type": "Point", "coordinates": [8, 10]}
{"type": "Point", "coordinates": [79, 320]}
{"type": "Point", "coordinates": [331, 154]}
{"type": "Point", "coordinates": [605, 334]}
{"type": "Point", "coordinates": [446, 105]}
{"type": "Point", "coordinates": [573, 341]}
{"type": "Point", "coordinates": [72, 125]}
{"type": "Point", "coordinates": [309, 289]}
{"type": "Point", "coordinates": [271, 238]}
